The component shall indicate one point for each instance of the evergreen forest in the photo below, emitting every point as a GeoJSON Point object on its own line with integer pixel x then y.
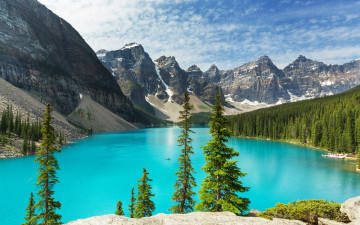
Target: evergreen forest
{"type": "Point", "coordinates": [332, 122]}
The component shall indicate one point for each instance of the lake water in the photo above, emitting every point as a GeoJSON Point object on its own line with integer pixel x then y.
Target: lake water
{"type": "Point", "coordinates": [98, 171]}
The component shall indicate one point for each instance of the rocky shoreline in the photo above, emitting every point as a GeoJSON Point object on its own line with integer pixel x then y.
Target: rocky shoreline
{"type": "Point", "coordinates": [351, 207]}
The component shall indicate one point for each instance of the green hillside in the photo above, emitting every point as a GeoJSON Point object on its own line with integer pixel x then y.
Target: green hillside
{"type": "Point", "coordinates": [331, 122]}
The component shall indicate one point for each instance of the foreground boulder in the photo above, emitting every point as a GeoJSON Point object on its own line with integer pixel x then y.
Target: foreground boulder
{"type": "Point", "coordinates": [352, 208]}
{"type": "Point", "coordinates": [201, 218]}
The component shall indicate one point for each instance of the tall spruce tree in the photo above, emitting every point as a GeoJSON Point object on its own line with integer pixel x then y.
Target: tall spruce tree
{"type": "Point", "coordinates": [119, 210]}
{"type": "Point", "coordinates": [185, 182]}
{"type": "Point", "coordinates": [144, 206]}
{"type": "Point", "coordinates": [132, 204]}
{"type": "Point", "coordinates": [220, 188]}
{"type": "Point", "coordinates": [47, 178]}
{"type": "Point", "coordinates": [30, 216]}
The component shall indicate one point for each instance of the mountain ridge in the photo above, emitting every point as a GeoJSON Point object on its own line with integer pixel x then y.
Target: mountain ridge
{"type": "Point", "coordinates": [255, 84]}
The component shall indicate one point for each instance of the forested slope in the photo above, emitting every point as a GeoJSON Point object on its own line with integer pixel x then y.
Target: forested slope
{"type": "Point", "coordinates": [331, 122]}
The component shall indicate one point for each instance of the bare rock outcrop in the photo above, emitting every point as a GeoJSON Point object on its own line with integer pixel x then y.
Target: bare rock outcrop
{"type": "Point", "coordinates": [352, 208]}
{"type": "Point", "coordinates": [200, 218]}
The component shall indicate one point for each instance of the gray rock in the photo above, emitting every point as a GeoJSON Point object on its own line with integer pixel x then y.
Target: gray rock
{"type": "Point", "coordinates": [352, 208]}
{"type": "Point", "coordinates": [200, 218]}
{"type": "Point", "coordinates": [323, 221]}
{"type": "Point", "coordinates": [253, 212]}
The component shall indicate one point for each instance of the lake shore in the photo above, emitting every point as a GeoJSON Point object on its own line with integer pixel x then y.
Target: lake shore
{"type": "Point", "coordinates": [295, 142]}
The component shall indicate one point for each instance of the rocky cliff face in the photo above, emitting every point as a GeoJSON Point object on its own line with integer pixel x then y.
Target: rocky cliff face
{"type": "Point", "coordinates": [139, 76]}
{"type": "Point", "coordinates": [174, 76]}
{"type": "Point", "coordinates": [42, 54]}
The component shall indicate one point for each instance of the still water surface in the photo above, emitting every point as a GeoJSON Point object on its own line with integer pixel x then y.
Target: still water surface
{"type": "Point", "coordinates": [98, 171]}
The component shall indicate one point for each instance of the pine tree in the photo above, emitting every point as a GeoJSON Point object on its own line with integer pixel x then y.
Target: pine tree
{"type": "Point", "coordinates": [183, 195]}
{"type": "Point", "coordinates": [132, 204]}
{"type": "Point", "coordinates": [25, 146]}
{"type": "Point", "coordinates": [3, 124]}
{"type": "Point", "coordinates": [17, 125]}
{"type": "Point", "coordinates": [119, 210]}
{"type": "Point", "coordinates": [30, 216]}
{"type": "Point", "coordinates": [33, 147]}
{"type": "Point", "coordinates": [220, 188]}
{"type": "Point", "coordinates": [144, 206]}
{"type": "Point", "coordinates": [47, 173]}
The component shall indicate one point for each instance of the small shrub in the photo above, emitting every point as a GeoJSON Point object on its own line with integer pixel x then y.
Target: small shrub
{"type": "Point", "coordinates": [306, 210]}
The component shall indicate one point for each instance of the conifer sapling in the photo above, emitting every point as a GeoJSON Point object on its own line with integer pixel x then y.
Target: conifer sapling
{"type": "Point", "coordinates": [119, 210]}
{"type": "Point", "coordinates": [144, 206]}
{"type": "Point", "coordinates": [220, 188]}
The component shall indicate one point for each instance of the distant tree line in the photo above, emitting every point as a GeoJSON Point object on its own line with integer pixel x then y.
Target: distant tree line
{"type": "Point", "coordinates": [30, 132]}
{"type": "Point", "coordinates": [12, 124]}
{"type": "Point", "coordinates": [332, 122]}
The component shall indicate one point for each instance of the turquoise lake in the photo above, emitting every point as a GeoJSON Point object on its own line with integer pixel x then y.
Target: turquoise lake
{"type": "Point", "coordinates": [98, 171]}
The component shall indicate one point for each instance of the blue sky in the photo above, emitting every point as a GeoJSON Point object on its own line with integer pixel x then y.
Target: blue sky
{"type": "Point", "coordinates": [227, 33]}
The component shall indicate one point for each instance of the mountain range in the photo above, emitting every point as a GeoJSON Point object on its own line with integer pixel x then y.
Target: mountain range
{"type": "Point", "coordinates": [46, 58]}
{"type": "Point", "coordinates": [256, 84]}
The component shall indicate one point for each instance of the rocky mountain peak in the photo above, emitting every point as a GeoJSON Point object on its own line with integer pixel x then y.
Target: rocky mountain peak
{"type": "Point", "coordinates": [194, 71]}
{"type": "Point", "coordinates": [301, 58]}
{"type": "Point", "coordinates": [193, 68]}
{"type": "Point", "coordinates": [101, 54]}
{"type": "Point", "coordinates": [168, 62]}
{"type": "Point", "coordinates": [305, 64]}
{"type": "Point", "coordinates": [213, 67]}
{"type": "Point", "coordinates": [263, 59]}
{"type": "Point", "coordinates": [132, 45]}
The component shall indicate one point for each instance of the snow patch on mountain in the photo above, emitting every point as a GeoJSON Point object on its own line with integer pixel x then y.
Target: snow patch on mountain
{"type": "Point", "coordinates": [294, 98]}
{"type": "Point", "coordinates": [228, 98]}
{"type": "Point", "coordinates": [168, 91]}
{"type": "Point", "coordinates": [280, 101]}
{"type": "Point", "coordinates": [255, 103]}
{"type": "Point", "coordinates": [129, 46]}
{"type": "Point", "coordinates": [326, 83]}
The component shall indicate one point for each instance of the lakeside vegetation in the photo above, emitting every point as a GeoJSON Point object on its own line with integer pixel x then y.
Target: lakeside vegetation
{"type": "Point", "coordinates": [14, 129]}
{"type": "Point", "coordinates": [308, 211]}
{"type": "Point", "coordinates": [331, 123]}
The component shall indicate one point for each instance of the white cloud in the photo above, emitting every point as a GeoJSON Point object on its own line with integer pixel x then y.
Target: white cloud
{"type": "Point", "coordinates": [209, 35]}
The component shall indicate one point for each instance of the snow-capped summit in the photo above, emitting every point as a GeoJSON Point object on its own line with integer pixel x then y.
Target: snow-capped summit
{"type": "Point", "coordinates": [130, 46]}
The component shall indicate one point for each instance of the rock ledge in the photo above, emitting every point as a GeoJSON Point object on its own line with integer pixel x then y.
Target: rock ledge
{"type": "Point", "coordinates": [351, 207]}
